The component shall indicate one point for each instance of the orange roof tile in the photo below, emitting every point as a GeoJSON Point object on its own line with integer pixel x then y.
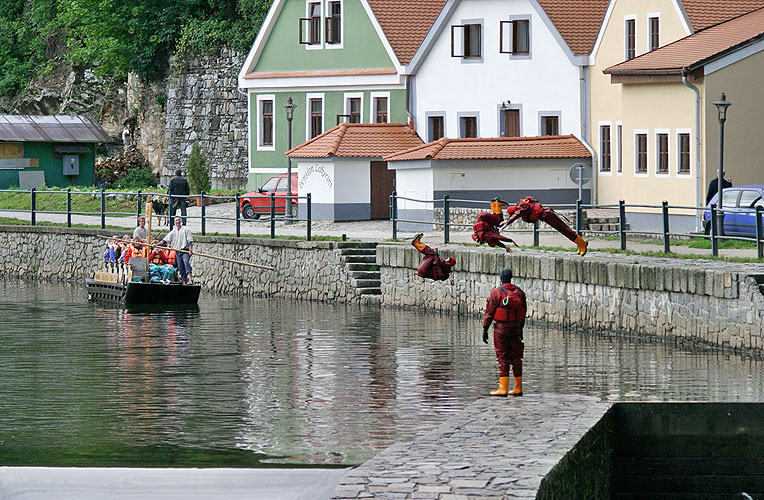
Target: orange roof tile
{"type": "Point", "coordinates": [695, 50]}
{"type": "Point", "coordinates": [706, 13]}
{"type": "Point", "coordinates": [552, 146]}
{"type": "Point", "coordinates": [310, 74]}
{"type": "Point", "coordinates": [406, 23]}
{"type": "Point", "coordinates": [359, 140]}
{"type": "Point", "coordinates": [577, 21]}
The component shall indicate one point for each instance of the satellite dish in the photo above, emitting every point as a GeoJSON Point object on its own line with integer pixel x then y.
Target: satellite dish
{"type": "Point", "coordinates": [580, 173]}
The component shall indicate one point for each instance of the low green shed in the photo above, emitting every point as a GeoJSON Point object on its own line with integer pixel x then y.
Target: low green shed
{"type": "Point", "coordinates": [50, 150]}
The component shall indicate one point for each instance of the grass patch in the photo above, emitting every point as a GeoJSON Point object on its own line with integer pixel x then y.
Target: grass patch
{"type": "Point", "coordinates": [82, 201]}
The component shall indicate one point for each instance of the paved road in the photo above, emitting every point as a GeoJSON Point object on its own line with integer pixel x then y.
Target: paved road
{"type": "Point", "coordinates": [377, 230]}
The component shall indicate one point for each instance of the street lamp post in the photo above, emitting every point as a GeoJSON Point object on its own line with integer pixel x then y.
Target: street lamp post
{"type": "Point", "coordinates": [289, 107]}
{"type": "Point", "coordinates": [721, 106]}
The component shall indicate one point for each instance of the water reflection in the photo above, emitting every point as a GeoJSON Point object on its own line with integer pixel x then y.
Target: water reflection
{"type": "Point", "coordinates": [246, 381]}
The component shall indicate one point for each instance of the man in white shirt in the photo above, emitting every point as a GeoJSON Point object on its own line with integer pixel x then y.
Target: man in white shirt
{"type": "Point", "coordinates": [180, 238]}
{"type": "Point", "coordinates": [140, 232]}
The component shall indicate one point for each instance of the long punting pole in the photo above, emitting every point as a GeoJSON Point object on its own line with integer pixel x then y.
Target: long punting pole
{"type": "Point", "coordinates": [269, 268]}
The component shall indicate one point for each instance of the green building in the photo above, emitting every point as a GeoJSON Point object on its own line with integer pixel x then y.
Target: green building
{"type": "Point", "coordinates": [51, 150]}
{"type": "Point", "coordinates": [339, 61]}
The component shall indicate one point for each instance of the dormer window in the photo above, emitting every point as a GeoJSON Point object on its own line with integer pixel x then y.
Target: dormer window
{"type": "Point", "coordinates": [514, 37]}
{"type": "Point", "coordinates": [310, 27]}
{"type": "Point", "coordinates": [465, 41]}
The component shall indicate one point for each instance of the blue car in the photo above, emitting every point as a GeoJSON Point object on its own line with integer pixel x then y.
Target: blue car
{"type": "Point", "coordinates": [740, 204]}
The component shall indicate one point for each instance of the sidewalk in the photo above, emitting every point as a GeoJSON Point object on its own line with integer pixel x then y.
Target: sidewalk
{"type": "Point", "coordinates": [375, 230]}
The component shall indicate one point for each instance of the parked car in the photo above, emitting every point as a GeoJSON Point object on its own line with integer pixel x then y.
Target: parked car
{"type": "Point", "coordinates": [256, 203]}
{"type": "Point", "coordinates": [740, 204]}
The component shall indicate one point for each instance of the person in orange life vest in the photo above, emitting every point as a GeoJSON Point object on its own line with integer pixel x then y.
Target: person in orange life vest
{"type": "Point", "coordinates": [486, 227]}
{"type": "Point", "coordinates": [531, 210]}
{"type": "Point", "coordinates": [432, 266]}
{"type": "Point", "coordinates": [506, 308]}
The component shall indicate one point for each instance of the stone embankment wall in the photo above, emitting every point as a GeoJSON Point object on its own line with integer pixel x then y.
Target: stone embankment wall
{"type": "Point", "coordinates": [710, 302]}
{"type": "Point", "coordinates": [693, 301]}
{"type": "Point", "coordinates": [466, 217]}
{"type": "Point", "coordinates": [305, 270]}
{"type": "Point", "coordinates": [203, 105]}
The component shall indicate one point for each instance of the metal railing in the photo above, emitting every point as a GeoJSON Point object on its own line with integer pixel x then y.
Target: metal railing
{"type": "Point", "coordinates": [276, 211]}
{"type": "Point", "coordinates": [712, 215]}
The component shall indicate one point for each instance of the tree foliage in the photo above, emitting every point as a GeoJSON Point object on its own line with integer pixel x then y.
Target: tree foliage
{"type": "Point", "coordinates": [114, 37]}
{"type": "Point", "coordinates": [198, 174]}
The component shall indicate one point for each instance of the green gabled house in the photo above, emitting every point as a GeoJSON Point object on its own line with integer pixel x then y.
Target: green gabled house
{"type": "Point", "coordinates": [339, 61]}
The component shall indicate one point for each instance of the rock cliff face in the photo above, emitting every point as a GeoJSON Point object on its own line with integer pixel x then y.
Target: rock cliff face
{"type": "Point", "coordinates": [198, 101]}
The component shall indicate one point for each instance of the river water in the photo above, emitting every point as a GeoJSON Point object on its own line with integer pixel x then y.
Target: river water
{"type": "Point", "coordinates": [245, 382]}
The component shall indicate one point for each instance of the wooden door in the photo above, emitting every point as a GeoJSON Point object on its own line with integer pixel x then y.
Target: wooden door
{"type": "Point", "coordinates": [382, 183]}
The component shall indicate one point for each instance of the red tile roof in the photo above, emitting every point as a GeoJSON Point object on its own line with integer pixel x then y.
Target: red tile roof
{"type": "Point", "coordinates": [552, 146]}
{"type": "Point", "coordinates": [705, 13]}
{"type": "Point", "coordinates": [577, 21]}
{"type": "Point", "coordinates": [311, 74]}
{"type": "Point", "coordinates": [406, 23]}
{"type": "Point", "coordinates": [359, 140]}
{"type": "Point", "coordinates": [695, 50]}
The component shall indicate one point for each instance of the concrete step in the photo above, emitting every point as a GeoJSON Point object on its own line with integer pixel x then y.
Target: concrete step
{"type": "Point", "coordinates": [365, 275]}
{"type": "Point", "coordinates": [372, 299]}
{"type": "Point", "coordinates": [362, 267]}
{"type": "Point", "coordinates": [369, 291]}
{"type": "Point", "coordinates": [366, 283]}
{"type": "Point", "coordinates": [358, 251]}
{"type": "Point", "coordinates": [360, 259]}
{"type": "Point", "coordinates": [346, 244]}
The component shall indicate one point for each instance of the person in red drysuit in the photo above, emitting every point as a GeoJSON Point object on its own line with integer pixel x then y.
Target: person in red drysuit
{"type": "Point", "coordinates": [506, 308]}
{"type": "Point", "coordinates": [486, 227]}
{"type": "Point", "coordinates": [432, 266]}
{"type": "Point", "coordinates": [531, 210]}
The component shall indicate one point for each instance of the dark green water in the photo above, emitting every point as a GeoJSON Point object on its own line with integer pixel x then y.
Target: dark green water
{"type": "Point", "coordinates": [248, 382]}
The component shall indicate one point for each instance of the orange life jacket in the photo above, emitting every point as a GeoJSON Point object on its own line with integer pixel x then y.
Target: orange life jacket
{"type": "Point", "coordinates": [510, 307]}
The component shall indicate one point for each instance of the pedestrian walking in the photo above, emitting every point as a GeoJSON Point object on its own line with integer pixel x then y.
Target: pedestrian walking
{"type": "Point", "coordinates": [180, 238]}
{"type": "Point", "coordinates": [713, 187]}
{"type": "Point", "coordinates": [178, 191]}
{"type": "Point", "coordinates": [506, 308]}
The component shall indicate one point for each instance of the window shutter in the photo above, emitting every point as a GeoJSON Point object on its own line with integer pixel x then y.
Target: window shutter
{"type": "Point", "coordinates": [505, 37]}
{"type": "Point", "coordinates": [304, 24]}
{"type": "Point", "coordinates": [457, 40]}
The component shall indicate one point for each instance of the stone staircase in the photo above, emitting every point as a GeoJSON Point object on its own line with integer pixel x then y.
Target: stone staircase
{"type": "Point", "coordinates": [361, 262]}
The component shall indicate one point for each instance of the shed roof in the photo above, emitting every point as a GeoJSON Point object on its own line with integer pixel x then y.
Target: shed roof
{"type": "Point", "coordinates": [697, 49]}
{"type": "Point", "coordinates": [51, 128]}
{"type": "Point", "coordinates": [368, 140]}
{"type": "Point", "coordinates": [551, 146]}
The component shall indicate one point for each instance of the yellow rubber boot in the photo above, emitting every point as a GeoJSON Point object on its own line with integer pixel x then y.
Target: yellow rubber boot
{"type": "Point", "coordinates": [518, 390]}
{"type": "Point", "coordinates": [582, 245]}
{"type": "Point", "coordinates": [503, 387]}
{"type": "Point", "coordinates": [497, 206]}
{"type": "Point", "coordinates": [418, 243]}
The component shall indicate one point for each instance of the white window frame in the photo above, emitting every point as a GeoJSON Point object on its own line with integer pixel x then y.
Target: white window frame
{"type": "Point", "coordinates": [509, 33]}
{"type": "Point", "coordinates": [372, 106]}
{"type": "Point", "coordinates": [650, 15]}
{"type": "Point", "coordinates": [463, 58]}
{"type": "Point", "coordinates": [678, 152]}
{"type": "Point", "coordinates": [430, 114]}
{"type": "Point", "coordinates": [325, 9]}
{"type": "Point", "coordinates": [259, 123]}
{"type": "Point", "coordinates": [467, 114]}
{"type": "Point", "coordinates": [619, 141]}
{"type": "Point", "coordinates": [635, 133]}
{"type": "Point", "coordinates": [600, 172]}
{"type": "Point", "coordinates": [631, 17]}
{"type": "Point", "coordinates": [319, 45]}
{"type": "Point", "coordinates": [346, 103]}
{"type": "Point", "coordinates": [656, 155]}
{"type": "Point", "coordinates": [542, 114]}
{"type": "Point", "coordinates": [308, 98]}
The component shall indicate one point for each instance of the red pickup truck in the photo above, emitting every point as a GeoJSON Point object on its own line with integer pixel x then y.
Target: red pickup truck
{"type": "Point", "coordinates": [257, 203]}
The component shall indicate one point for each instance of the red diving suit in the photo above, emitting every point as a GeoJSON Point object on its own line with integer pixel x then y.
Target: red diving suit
{"type": "Point", "coordinates": [506, 308]}
{"type": "Point", "coordinates": [531, 210]}
{"type": "Point", "coordinates": [431, 265]}
{"type": "Point", "coordinates": [486, 227]}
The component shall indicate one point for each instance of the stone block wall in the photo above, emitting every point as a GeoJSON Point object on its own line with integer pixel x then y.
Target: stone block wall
{"type": "Point", "coordinates": [203, 105]}
{"type": "Point", "coordinates": [466, 217]}
{"type": "Point", "coordinates": [708, 302]}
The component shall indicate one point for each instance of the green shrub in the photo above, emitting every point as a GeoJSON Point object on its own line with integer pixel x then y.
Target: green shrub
{"type": "Point", "coordinates": [138, 178]}
{"type": "Point", "coordinates": [198, 175]}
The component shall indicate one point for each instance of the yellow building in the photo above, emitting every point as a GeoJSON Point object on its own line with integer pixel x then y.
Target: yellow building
{"type": "Point", "coordinates": [658, 65]}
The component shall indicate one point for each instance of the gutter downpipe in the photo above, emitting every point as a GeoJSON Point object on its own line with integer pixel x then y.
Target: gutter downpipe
{"type": "Point", "coordinates": [698, 190]}
{"type": "Point", "coordinates": [585, 118]}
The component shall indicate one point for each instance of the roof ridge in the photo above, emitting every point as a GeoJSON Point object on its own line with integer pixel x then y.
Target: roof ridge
{"type": "Point", "coordinates": [336, 145]}
{"type": "Point", "coordinates": [442, 143]}
{"type": "Point", "coordinates": [311, 141]}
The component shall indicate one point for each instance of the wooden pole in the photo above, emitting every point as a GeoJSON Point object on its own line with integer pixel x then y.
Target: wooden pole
{"type": "Point", "coordinates": [225, 259]}
{"type": "Point", "coordinates": [148, 217]}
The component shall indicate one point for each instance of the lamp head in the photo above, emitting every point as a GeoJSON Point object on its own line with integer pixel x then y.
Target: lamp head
{"type": "Point", "coordinates": [721, 106]}
{"type": "Point", "coordinates": [504, 105]}
{"type": "Point", "coordinates": [289, 108]}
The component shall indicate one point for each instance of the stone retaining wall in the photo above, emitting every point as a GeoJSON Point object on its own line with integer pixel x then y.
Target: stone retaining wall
{"type": "Point", "coordinates": [711, 302]}
{"type": "Point", "coordinates": [466, 216]}
{"type": "Point", "coordinates": [306, 270]}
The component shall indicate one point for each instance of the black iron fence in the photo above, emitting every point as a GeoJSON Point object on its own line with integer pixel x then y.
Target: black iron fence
{"type": "Point", "coordinates": [274, 214]}
{"type": "Point", "coordinates": [711, 221]}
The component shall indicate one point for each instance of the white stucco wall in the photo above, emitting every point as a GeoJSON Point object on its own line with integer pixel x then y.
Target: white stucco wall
{"type": "Point", "coordinates": [547, 81]}
{"type": "Point", "coordinates": [352, 181]}
{"type": "Point", "coordinates": [317, 178]}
